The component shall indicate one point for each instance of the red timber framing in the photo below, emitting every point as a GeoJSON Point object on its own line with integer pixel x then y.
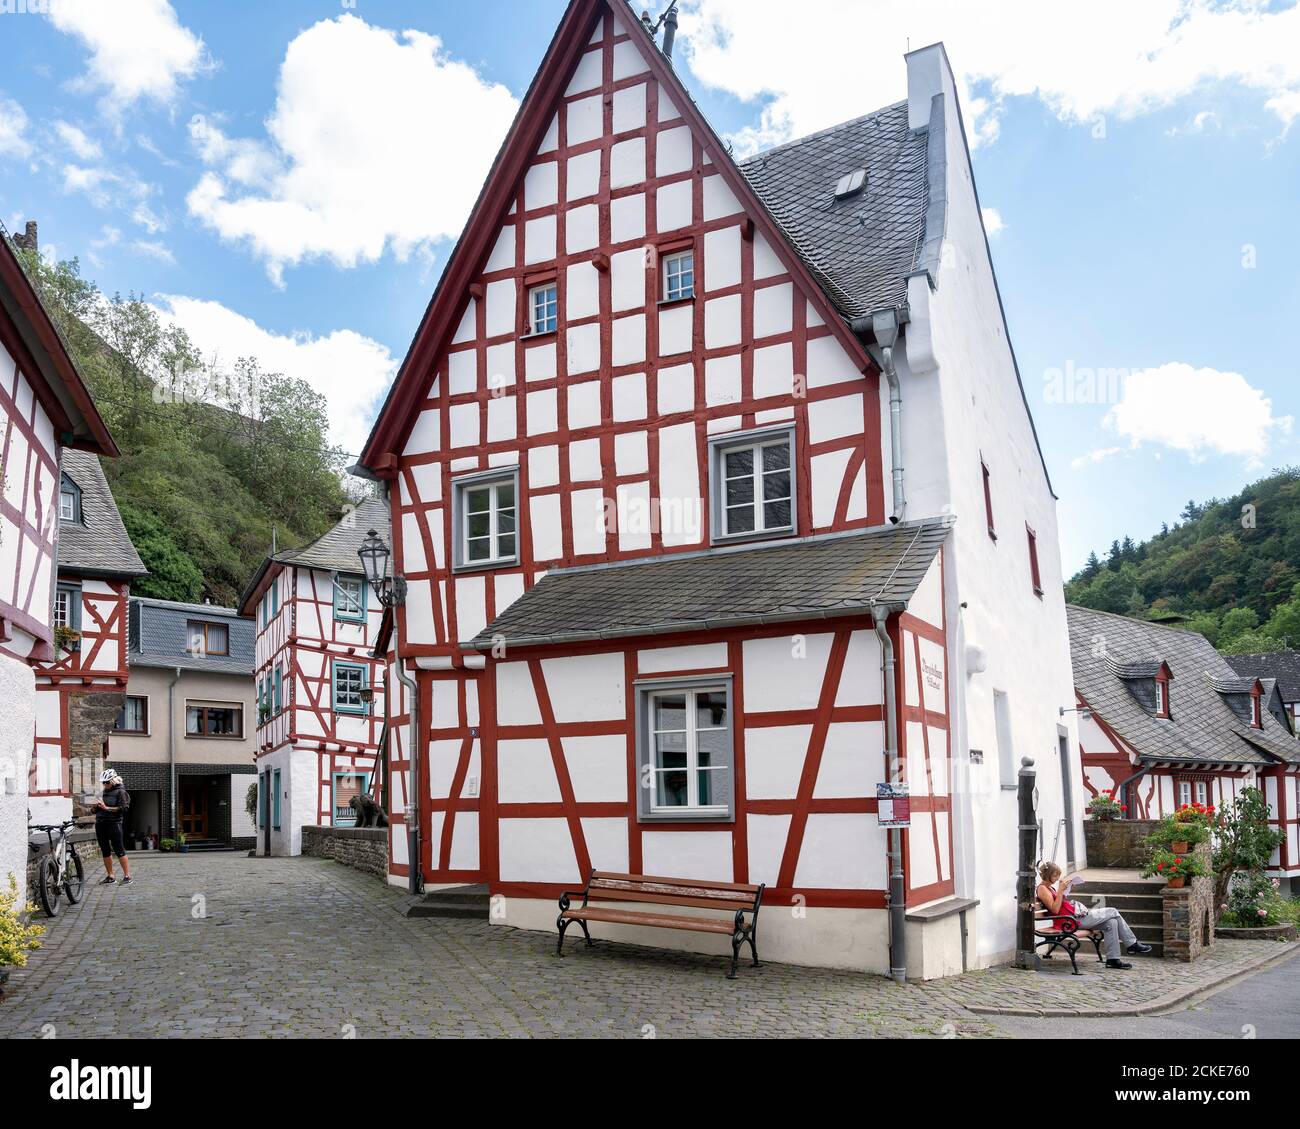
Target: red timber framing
{"type": "Point", "coordinates": [303, 640]}
{"type": "Point", "coordinates": [99, 665]}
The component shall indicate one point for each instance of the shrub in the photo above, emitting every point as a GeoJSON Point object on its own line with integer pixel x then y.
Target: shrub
{"type": "Point", "coordinates": [250, 801]}
{"type": "Point", "coordinates": [1254, 901]}
{"type": "Point", "coordinates": [17, 937]}
{"type": "Point", "coordinates": [1244, 840]}
{"type": "Point", "coordinates": [1172, 831]}
{"type": "Point", "coordinates": [166, 844]}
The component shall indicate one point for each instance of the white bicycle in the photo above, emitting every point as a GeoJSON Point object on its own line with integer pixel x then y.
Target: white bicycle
{"type": "Point", "coordinates": [60, 873]}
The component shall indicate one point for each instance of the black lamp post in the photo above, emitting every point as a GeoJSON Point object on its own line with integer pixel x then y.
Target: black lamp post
{"type": "Point", "coordinates": [374, 555]}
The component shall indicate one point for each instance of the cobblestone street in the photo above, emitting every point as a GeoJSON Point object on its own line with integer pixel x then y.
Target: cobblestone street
{"type": "Point", "coordinates": [306, 947]}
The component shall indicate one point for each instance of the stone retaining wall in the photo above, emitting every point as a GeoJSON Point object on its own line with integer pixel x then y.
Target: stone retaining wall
{"type": "Point", "coordinates": [362, 848]}
{"type": "Point", "coordinates": [1189, 914]}
{"type": "Point", "coordinates": [1118, 843]}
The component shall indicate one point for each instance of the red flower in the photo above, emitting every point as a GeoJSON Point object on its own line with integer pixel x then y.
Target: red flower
{"type": "Point", "coordinates": [1123, 807]}
{"type": "Point", "coordinates": [1160, 866]}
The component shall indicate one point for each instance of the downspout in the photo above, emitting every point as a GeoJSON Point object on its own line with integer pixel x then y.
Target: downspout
{"type": "Point", "coordinates": [414, 860]}
{"type": "Point", "coordinates": [171, 744]}
{"type": "Point", "coordinates": [883, 326]}
{"type": "Point", "coordinates": [897, 889]}
{"type": "Point", "coordinates": [1123, 786]}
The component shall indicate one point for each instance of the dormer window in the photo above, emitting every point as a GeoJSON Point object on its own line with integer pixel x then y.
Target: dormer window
{"type": "Point", "coordinates": [1256, 708]}
{"type": "Point", "coordinates": [1162, 697]}
{"type": "Point", "coordinates": [69, 500]}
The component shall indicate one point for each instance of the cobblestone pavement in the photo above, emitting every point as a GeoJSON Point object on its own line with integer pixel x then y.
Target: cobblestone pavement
{"type": "Point", "coordinates": [306, 947]}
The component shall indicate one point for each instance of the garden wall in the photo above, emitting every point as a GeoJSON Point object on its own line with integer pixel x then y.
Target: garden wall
{"type": "Point", "coordinates": [1118, 843]}
{"type": "Point", "coordinates": [362, 848]}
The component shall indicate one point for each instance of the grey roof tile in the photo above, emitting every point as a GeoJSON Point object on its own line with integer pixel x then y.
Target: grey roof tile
{"type": "Point", "coordinates": [158, 636]}
{"type": "Point", "coordinates": [1202, 726]}
{"type": "Point", "coordinates": [1282, 665]}
{"type": "Point", "coordinates": [811, 578]}
{"type": "Point", "coordinates": [98, 545]}
{"type": "Point", "coordinates": [336, 549]}
{"type": "Point", "coordinates": [860, 249]}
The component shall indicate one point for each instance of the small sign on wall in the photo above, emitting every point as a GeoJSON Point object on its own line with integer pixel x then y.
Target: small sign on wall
{"type": "Point", "coordinates": [893, 805]}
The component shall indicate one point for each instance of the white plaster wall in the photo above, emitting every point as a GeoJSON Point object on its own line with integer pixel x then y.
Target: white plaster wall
{"type": "Point", "coordinates": [961, 402]}
{"type": "Point", "coordinates": [17, 728]}
{"type": "Point", "coordinates": [299, 775]}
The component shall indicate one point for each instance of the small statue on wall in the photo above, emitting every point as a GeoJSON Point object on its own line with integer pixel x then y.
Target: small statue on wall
{"type": "Point", "coordinates": [369, 813]}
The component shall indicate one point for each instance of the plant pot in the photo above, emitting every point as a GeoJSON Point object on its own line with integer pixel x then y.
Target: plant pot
{"type": "Point", "coordinates": [184, 848]}
{"type": "Point", "coordinates": [1177, 883]}
{"type": "Point", "coordinates": [1181, 847]}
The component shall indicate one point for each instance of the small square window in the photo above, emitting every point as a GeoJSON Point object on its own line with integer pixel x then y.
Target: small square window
{"type": "Point", "coordinates": [544, 308]}
{"type": "Point", "coordinates": [679, 276]}
{"type": "Point", "coordinates": [69, 500]}
{"type": "Point", "coordinates": [67, 607]}
{"type": "Point", "coordinates": [208, 638]}
{"type": "Point", "coordinates": [753, 485]}
{"type": "Point", "coordinates": [350, 598]}
{"type": "Point", "coordinates": [350, 679]}
{"type": "Point", "coordinates": [133, 717]}
{"type": "Point", "coordinates": [485, 508]}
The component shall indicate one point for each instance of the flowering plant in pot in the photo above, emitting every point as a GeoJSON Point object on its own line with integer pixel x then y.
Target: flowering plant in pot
{"type": "Point", "coordinates": [1179, 836]}
{"type": "Point", "coordinates": [1174, 869]}
{"type": "Point", "coordinates": [1193, 814]}
{"type": "Point", "coordinates": [1104, 806]}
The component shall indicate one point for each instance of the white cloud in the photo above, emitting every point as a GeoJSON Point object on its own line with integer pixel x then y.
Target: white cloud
{"type": "Point", "coordinates": [1093, 457]}
{"type": "Point", "coordinates": [13, 127]}
{"type": "Point", "coordinates": [993, 222]}
{"type": "Point", "coordinates": [122, 191]}
{"type": "Point", "coordinates": [1198, 411]}
{"type": "Point", "coordinates": [1105, 57]}
{"type": "Point", "coordinates": [138, 48]}
{"type": "Point", "coordinates": [350, 370]}
{"type": "Point", "coordinates": [83, 147]}
{"type": "Point", "coordinates": [377, 140]}
{"type": "Point", "coordinates": [153, 249]}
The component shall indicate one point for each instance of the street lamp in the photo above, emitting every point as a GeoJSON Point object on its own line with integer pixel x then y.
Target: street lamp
{"type": "Point", "coordinates": [374, 555]}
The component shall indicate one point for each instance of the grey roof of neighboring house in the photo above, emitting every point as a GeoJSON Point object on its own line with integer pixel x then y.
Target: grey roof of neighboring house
{"type": "Point", "coordinates": [812, 578]}
{"type": "Point", "coordinates": [1202, 726]}
{"type": "Point", "coordinates": [861, 249]}
{"type": "Point", "coordinates": [335, 550]}
{"type": "Point", "coordinates": [98, 545]}
{"type": "Point", "coordinates": [1281, 665]}
{"type": "Point", "coordinates": [158, 636]}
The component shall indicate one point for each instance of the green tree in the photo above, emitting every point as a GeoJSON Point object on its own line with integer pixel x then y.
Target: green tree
{"type": "Point", "coordinates": [1244, 840]}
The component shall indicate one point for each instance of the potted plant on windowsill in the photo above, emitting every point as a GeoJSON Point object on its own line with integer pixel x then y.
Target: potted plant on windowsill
{"type": "Point", "coordinates": [66, 640]}
{"type": "Point", "coordinates": [1175, 869]}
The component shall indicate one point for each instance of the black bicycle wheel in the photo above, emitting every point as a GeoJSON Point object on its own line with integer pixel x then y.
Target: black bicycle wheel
{"type": "Point", "coordinates": [74, 877]}
{"type": "Point", "coordinates": [47, 886]}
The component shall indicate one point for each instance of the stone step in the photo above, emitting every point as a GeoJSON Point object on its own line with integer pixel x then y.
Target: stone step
{"type": "Point", "coordinates": [1136, 886]}
{"type": "Point", "coordinates": [456, 901]}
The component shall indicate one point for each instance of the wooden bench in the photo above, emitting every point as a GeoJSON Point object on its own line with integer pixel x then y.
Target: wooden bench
{"type": "Point", "coordinates": [1062, 931]}
{"type": "Point", "coordinates": [734, 898]}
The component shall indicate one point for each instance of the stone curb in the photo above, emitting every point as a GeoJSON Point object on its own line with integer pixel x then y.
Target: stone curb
{"type": "Point", "coordinates": [1162, 1003]}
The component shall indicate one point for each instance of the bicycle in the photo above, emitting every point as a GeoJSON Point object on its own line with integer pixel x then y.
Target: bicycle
{"type": "Point", "coordinates": [60, 871]}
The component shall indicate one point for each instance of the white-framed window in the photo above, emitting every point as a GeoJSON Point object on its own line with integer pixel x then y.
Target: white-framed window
{"type": "Point", "coordinates": [684, 749]}
{"type": "Point", "coordinates": [1162, 698]}
{"type": "Point", "coordinates": [1202, 792]}
{"type": "Point", "coordinates": [544, 308]}
{"type": "Point", "coordinates": [753, 484]}
{"type": "Point", "coordinates": [67, 601]}
{"type": "Point", "coordinates": [1184, 793]}
{"type": "Point", "coordinates": [69, 500]}
{"type": "Point", "coordinates": [485, 509]}
{"type": "Point", "coordinates": [679, 276]}
{"type": "Point", "coordinates": [1256, 711]}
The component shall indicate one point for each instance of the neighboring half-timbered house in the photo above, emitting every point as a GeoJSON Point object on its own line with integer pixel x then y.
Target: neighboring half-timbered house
{"type": "Point", "coordinates": [82, 689]}
{"type": "Point", "coordinates": [686, 582]}
{"type": "Point", "coordinates": [320, 690]}
{"type": "Point", "coordinates": [45, 410]}
{"type": "Point", "coordinates": [1166, 721]}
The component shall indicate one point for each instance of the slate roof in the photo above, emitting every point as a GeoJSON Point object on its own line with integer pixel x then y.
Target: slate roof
{"type": "Point", "coordinates": [769, 583]}
{"type": "Point", "coordinates": [98, 545]}
{"type": "Point", "coordinates": [1281, 665]}
{"type": "Point", "coordinates": [158, 636]}
{"type": "Point", "coordinates": [860, 249]}
{"type": "Point", "coordinates": [1202, 727]}
{"type": "Point", "coordinates": [334, 550]}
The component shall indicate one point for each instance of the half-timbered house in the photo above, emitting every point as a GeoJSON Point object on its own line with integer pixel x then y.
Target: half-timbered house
{"type": "Point", "coordinates": [320, 689]}
{"type": "Point", "coordinates": [45, 410]}
{"type": "Point", "coordinates": [82, 688]}
{"type": "Point", "coordinates": [719, 505]}
{"type": "Point", "coordinates": [1165, 721]}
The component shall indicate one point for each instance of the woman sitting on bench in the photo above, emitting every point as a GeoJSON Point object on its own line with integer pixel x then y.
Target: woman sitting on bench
{"type": "Point", "coordinates": [1108, 922]}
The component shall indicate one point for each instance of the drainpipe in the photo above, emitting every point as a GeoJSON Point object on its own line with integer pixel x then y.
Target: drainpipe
{"type": "Point", "coordinates": [897, 889]}
{"type": "Point", "coordinates": [171, 743]}
{"type": "Point", "coordinates": [883, 326]}
{"type": "Point", "coordinates": [1123, 786]}
{"type": "Point", "coordinates": [415, 877]}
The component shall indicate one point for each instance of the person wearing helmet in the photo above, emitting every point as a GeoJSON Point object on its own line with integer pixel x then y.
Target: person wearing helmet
{"type": "Point", "coordinates": [109, 811]}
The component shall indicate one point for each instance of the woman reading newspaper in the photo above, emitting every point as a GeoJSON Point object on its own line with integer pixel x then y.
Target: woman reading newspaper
{"type": "Point", "coordinates": [1054, 894]}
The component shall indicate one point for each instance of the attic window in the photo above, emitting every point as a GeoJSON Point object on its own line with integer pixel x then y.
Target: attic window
{"type": "Point", "coordinates": [1256, 711]}
{"type": "Point", "coordinates": [69, 500]}
{"type": "Point", "coordinates": [1162, 694]}
{"type": "Point", "coordinates": [851, 184]}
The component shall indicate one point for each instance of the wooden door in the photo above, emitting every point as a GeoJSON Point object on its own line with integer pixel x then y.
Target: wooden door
{"type": "Point", "coordinates": [193, 797]}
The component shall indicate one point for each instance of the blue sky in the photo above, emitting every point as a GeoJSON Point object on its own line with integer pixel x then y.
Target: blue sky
{"type": "Point", "coordinates": [286, 180]}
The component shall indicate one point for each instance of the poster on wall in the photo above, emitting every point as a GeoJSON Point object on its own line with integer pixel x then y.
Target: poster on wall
{"type": "Point", "coordinates": [893, 805]}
